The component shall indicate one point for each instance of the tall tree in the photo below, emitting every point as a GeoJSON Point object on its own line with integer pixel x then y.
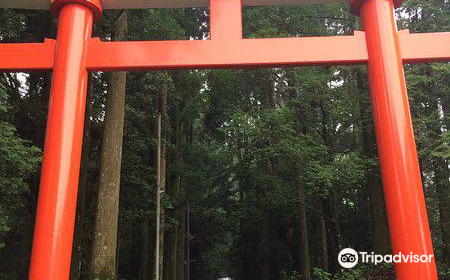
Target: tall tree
{"type": "Point", "coordinates": [161, 180]}
{"type": "Point", "coordinates": [103, 259]}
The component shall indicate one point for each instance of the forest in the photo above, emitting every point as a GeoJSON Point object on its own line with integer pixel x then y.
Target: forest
{"type": "Point", "coordinates": [259, 174]}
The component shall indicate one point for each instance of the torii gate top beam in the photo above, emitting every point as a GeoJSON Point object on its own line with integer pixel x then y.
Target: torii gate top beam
{"type": "Point", "coordinates": [225, 49]}
{"type": "Point", "coordinates": [142, 4]}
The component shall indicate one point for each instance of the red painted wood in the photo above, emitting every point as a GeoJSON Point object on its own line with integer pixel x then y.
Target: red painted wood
{"type": "Point", "coordinates": [55, 218]}
{"type": "Point", "coordinates": [355, 5]}
{"type": "Point", "coordinates": [27, 57]}
{"type": "Point", "coordinates": [226, 20]}
{"type": "Point", "coordinates": [405, 202]}
{"type": "Point", "coordinates": [94, 5]}
{"type": "Point", "coordinates": [111, 56]}
{"type": "Point", "coordinates": [115, 56]}
{"type": "Point", "coordinates": [424, 47]}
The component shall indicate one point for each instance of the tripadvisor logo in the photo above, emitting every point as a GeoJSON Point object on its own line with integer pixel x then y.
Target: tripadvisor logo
{"type": "Point", "coordinates": [349, 258]}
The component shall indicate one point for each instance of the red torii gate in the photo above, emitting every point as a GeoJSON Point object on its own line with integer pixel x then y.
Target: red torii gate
{"type": "Point", "coordinates": [74, 53]}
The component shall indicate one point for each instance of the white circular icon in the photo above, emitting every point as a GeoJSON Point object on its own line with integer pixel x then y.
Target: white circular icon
{"type": "Point", "coordinates": [348, 258]}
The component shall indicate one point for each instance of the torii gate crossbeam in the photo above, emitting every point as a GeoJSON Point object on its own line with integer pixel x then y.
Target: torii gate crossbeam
{"type": "Point", "coordinates": [74, 53]}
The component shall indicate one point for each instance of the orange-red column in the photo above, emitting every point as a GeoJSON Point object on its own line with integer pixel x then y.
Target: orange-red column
{"type": "Point", "coordinates": [402, 183]}
{"type": "Point", "coordinates": [53, 233]}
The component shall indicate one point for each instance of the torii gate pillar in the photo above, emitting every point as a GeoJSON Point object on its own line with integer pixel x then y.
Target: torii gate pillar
{"type": "Point", "coordinates": [405, 202]}
{"type": "Point", "coordinates": [53, 233]}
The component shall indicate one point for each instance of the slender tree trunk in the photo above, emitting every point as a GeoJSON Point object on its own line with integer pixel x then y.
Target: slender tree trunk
{"type": "Point", "coordinates": [144, 269]}
{"type": "Point", "coordinates": [321, 237]}
{"type": "Point", "coordinates": [181, 239]}
{"type": "Point", "coordinates": [171, 245]}
{"type": "Point", "coordinates": [162, 215]}
{"type": "Point", "coordinates": [333, 232]}
{"type": "Point", "coordinates": [263, 247]}
{"type": "Point", "coordinates": [147, 262]}
{"type": "Point", "coordinates": [75, 267]}
{"type": "Point", "coordinates": [103, 260]}
{"type": "Point", "coordinates": [304, 254]}
{"type": "Point", "coordinates": [170, 268]}
{"type": "Point", "coordinates": [269, 166]}
{"type": "Point", "coordinates": [303, 233]}
{"type": "Point", "coordinates": [161, 182]}
{"type": "Point", "coordinates": [182, 197]}
{"type": "Point", "coordinates": [148, 249]}
{"type": "Point", "coordinates": [381, 236]}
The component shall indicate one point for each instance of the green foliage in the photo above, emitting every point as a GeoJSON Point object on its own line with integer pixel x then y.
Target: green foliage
{"type": "Point", "coordinates": [380, 272]}
{"type": "Point", "coordinates": [18, 159]}
{"type": "Point", "coordinates": [321, 274]}
{"type": "Point", "coordinates": [444, 271]}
